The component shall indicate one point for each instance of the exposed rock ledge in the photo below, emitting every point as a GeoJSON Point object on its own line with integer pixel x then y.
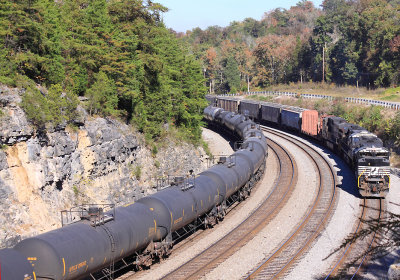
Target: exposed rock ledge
{"type": "Point", "coordinates": [100, 162]}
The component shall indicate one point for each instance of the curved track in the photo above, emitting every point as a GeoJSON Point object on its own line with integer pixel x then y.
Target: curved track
{"type": "Point", "coordinates": [257, 220]}
{"type": "Point", "coordinates": [302, 237]}
{"type": "Point", "coordinates": [353, 257]}
{"type": "Point", "coordinates": [310, 227]}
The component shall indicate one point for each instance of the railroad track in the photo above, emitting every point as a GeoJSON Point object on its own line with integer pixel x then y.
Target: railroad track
{"type": "Point", "coordinates": [353, 256]}
{"type": "Point", "coordinates": [244, 232]}
{"type": "Point", "coordinates": [306, 232]}
{"type": "Point", "coordinates": [283, 258]}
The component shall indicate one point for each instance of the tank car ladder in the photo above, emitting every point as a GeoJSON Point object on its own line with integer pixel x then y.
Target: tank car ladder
{"type": "Point", "coordinates": [108, 272]}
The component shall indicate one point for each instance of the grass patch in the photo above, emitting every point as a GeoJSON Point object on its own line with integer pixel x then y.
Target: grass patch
{"type": "Point", "coordinates": [154, 150]}
{"type": "Point", "coordinates": [137, 171]}
{"type": "Point", "coordinates": [206, 148]}
{"type": "Point", "coordinates": [7, 81]}
{"type": "Point", "coordinates": [265, 98]}
{"type": "Point", "coordinates": [392, 94]}
{"type": "Point", "coordinates": [76, 191]}
{"type": "Point", "coordinates": [391, 91]}
{"type": "Point", "coordinates": [391, 97]}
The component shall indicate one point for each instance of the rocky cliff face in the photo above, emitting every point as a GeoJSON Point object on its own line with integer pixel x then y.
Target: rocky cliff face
{"type": "Point", "coordinates": [104, 161]}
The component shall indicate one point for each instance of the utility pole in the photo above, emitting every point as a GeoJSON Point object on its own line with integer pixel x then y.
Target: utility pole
{"type": "Point", "coordinates": [323, 63]}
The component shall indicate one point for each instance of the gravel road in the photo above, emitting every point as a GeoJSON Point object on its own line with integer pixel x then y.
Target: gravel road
{"type": "Point", "coordinates": [217, 144]}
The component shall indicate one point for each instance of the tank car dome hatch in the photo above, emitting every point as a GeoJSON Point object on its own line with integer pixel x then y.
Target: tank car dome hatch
{"type": "Point", "coordinates": [15, 266]}
{"type": "Point", "coordinates": [222, 160]}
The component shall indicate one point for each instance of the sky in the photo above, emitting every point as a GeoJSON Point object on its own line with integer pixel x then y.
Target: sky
{"type": "Point", "coordinates": [187, 14]}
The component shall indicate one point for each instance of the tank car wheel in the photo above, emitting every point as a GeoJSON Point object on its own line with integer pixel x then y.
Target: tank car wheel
{"type": "Point", "coordinates": [143, 262]}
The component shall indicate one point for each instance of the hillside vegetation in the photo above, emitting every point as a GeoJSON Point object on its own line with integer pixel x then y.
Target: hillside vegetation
{"type": "Point", "coordinates": [117, 53]}
{"type": "Point", "coordinates": [346, 43]}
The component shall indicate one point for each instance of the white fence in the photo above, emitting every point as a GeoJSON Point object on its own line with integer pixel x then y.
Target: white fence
{"type": "Point", "coordinates": [390, 105]}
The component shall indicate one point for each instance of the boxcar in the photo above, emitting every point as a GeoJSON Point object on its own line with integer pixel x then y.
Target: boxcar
{"type": "Point", "coordinates": [251, 108]}
{"type": "Point", "coordinates": [310, 123]}
{"type": "Point", "coordinates": [271, 112]}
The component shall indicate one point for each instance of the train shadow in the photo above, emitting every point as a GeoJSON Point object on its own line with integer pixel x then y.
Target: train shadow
{"type": "Point", "coordinates": [345, 175]}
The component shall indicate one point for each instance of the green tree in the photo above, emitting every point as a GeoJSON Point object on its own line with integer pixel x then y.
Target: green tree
{"type": "Point", "coordinates": [232, 74]}
{"type": "Point", "coordinates": [102, 97]}
{"type": "Point", "coordinates": [118, 53]}
{"type": "Point", "coordinates": [61, 106]}
{"type": "Point", "coordinates": [36, 107]}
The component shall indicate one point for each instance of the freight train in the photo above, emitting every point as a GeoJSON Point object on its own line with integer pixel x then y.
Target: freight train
{"type": "Point", "coordinates": [139, 233]}
{"type": "Point", "coordinates": [362, 150]}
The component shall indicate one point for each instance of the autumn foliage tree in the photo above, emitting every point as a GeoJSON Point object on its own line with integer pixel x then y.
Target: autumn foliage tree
{"type": "Point", "coordinates": [212, 67]}
{"type": "Point", "coordinates": [345, 42]}
{"type": "Point", "coordinates": [265, 51]}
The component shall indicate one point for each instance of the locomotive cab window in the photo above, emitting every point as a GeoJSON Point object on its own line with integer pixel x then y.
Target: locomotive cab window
{"type": "Point", "coordinates": [354, 141]}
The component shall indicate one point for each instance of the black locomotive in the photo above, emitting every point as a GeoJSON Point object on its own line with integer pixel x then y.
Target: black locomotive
{"type": "Point", "coordinates": [142, 231]}
{"type": "Point", "coordinates": [362, 150]}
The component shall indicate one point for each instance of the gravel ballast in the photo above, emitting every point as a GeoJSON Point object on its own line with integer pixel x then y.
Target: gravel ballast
{"type": "Point", "coordinates": [265, 243]}
{"type": "Point", "coordinates": [320, 256]}
{"type": "Point", "coordinates": [377, 269]}
{"type": "Point", "coordinates": [317, 261]}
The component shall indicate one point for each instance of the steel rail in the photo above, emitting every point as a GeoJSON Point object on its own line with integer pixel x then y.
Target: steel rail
{"type": "Point", "coordinates": [246, 230]}
{"type": "Point", "coordinates": [345, 257]}
{"type": "Point", "coordinates": [301, 239]}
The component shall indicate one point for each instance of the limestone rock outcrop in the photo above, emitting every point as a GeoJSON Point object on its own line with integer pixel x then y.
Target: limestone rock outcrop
{"type": "Point", "coordinates": [102, 161]}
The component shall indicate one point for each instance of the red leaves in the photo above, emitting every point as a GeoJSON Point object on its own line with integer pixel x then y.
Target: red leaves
{"type": "Point", "coordinates": [395, 44]}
